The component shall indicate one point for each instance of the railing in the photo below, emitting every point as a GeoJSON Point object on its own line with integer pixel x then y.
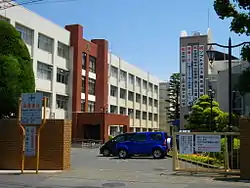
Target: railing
{"type": "Point", "coordinates": [213, 152]}
{"type": "Point", "coordinates": [86, 143]}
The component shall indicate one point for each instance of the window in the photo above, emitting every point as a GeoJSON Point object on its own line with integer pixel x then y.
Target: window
{"type": "Point", "coordinates": [144, 115]}
{"type": "Point", "coordinates": [131, 79]}
{"type": "Point", "coordinates": [138, 98]}
{"type": "Point", "coordinates": [122, 93]}
{"type": "Point", "coordinates": [130, 113]}
{"type": "Point", "coordinates": [61, 102]}
{"type": "Point", "coordinates": [26, 33]}
{"type": "Point", "coordinates": [91, 106]}
{"type": "Point", "coordinates": [91, 88]}
{"type": "Point", "coordinates": [156, 136]}
{"type": "Point", "coordinates": [113, 91]}
{"type": "Point", "coordinates": [44, 71]}
{"type": "Point", "coordinates": [138, 114]}
{"type": "Point", "coordinates": [138, 82]}
{"type": "Point", "coordinates": [144, 100]}
{"type": "Point", "coordinates": [84, 57]}
{"type": "Point", "coordinates": [144, 84]}
{"type": "Point", "coordinates": [130, 96]}
{"type": "Point", "coordinates": [119, 138]}
{"type": "Point", "coordinates": [48, 96]}
{"type": "Point", "coordinates": [150, 86]}
{"type": "Point", "coordinates": [45, 43]}
{"type": "Point", "coordinates": [62, 76]}
{"type": "Point", "coordinates": [82, 105]}
{"type": "Point", "coordinates": [150, 102]}
{"type": "Point", "coordinates": [4, 19]}
{"type": "Point", "coordinates": [63, 50]}
{"type": "Point", "coordinates": [114, 72]}
{"type": "Point", "coordinates": [156, 89]}
{"type": "Point", "coordinates": [113, 109]}
{"type": "Point", "coordinates": [156, 103]}
{"type": "Point", "coordinates": [92, 64]}
{"type": "Point", "coordinates": [150, 116]}
{"type": "Point", "coordinates": [122, 110]}
{"type": "Point", "coordinates": [83, 84]}
{"type": "Point", "coordinates": [155, 117]}
{"type": "Point", "coordinates": [123, 76]}
{"type": "Point", "coordinates": [139, 137]}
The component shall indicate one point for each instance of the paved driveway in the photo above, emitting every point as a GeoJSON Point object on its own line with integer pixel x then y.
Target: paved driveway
{"type": "Point", "coordinates": [91, 171]}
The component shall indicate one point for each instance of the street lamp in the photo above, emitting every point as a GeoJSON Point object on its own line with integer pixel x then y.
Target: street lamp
{"type": "Point", "coordinates": [211, 95]}
{"type": "Point", "coordinates": [211, 57]}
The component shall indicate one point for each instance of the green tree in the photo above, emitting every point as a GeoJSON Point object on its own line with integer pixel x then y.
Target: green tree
{"type": "Point", "coordinates": [239, 13]}
{"type": "Point", "coordinates": [16, 72]}
{"type": "Point", "coordinates": [173, 108]}
{"type": "Point", "coordinates": [200, 117]}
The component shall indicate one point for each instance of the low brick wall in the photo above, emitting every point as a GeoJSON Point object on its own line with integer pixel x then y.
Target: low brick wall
{"type": "Point", "coordinates": [244, 148]}
{"type": "Point", "coordinates": [55, 146]}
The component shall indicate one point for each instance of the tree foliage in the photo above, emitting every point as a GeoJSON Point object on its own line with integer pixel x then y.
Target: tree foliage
{"type": "Point", "coordinates": [239, 13]}
{"type": "Point", "coordinates": [200, 117]}
{"type": "Point", "coordinates": [243, 84]}
{"type": "Point", "coordinates": [173, 108]}
{"type": "Point", "coordinates": [16, 72]}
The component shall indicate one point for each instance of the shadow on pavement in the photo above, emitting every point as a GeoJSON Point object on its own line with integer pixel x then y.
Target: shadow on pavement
{"type": "Point", "coordinates": [231, 179]}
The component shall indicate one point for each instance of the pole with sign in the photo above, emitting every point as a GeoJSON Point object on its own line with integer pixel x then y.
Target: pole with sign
{"type": "Point", "coordinates": [31, 122]}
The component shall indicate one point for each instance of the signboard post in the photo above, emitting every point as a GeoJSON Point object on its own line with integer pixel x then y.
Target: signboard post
{"type": "Point", "coordinates": [30, 110]}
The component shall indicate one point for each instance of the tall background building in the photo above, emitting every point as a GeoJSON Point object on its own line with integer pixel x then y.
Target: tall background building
{"type": "Point", "coordinates": [194, 68]}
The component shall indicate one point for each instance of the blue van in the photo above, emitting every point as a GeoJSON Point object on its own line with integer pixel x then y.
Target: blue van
{"type": "Point", "coordinates": [143, 143]}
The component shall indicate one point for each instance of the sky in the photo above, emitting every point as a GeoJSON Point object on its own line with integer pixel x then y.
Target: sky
{"type": "Point", "coordinates": [142, 32]}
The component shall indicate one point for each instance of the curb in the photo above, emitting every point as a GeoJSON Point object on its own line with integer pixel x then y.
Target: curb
{"type": "Point", "coordinates": [17, 172]}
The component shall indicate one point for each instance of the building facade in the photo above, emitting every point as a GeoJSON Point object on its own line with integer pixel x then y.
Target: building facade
{"type": "Point", "coordinates": [193, 69]}
{"type": "Point", "coordinates": [49, 47]}
{"type": "Point", "coordinates": [133, 92]}
{"type": "Point", "coordinates": [83, 81]}
{"type": "Point", "coordinates": [164, 123]}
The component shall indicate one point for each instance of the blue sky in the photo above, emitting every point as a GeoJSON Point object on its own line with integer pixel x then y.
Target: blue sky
{"type": "Point", "coordinates": [143, 32]}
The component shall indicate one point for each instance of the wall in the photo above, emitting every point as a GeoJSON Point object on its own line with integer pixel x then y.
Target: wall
{"type": "Point", "coordinates": [163, 96]}
{"type": "Point", "coordinates": [55, 147]}
{"type": "Point", "coordinates": [244, 148]}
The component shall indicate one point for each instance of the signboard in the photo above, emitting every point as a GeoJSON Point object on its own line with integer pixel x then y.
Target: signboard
{"type": "Point", "coordinates": [201, 70]}
{"type": "Point", "coordinates": [183, 76]}
{"type": "Point", "coordinates": [195, 72]}
{"type": "Point", "coordinates": [30, 141]}
{"type": "Point", "coordinates": [208, 143]}
{"type": "Point", "coordinates": [189, 76]}
{"type": "Point", "coordinates": [186, 144]}
{"type": "Point", "coordinates": [31, 108]}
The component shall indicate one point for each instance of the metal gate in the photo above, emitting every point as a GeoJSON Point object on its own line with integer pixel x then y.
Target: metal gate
{"type": "Point", "coordinates": [206, 152]}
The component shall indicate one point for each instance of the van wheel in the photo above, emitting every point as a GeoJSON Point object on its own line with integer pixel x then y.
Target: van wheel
{"type": "Point", "coordinates": [122, 154]}
{"type": "Point", "coordinates": [157, 154]}
{"type": "Point", "coordinates": [106, 153]}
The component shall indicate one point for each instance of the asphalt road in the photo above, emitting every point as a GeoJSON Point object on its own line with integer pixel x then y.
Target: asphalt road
{"type": "Point", "coordinates": [91, 171]}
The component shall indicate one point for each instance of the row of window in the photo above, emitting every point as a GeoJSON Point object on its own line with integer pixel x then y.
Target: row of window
{"type": "Point", "coordinates": [131, 112]}
{"type": "Point", "coordinates": [91, 106]}
{"type": "Point", "coordinates": [91, 85]}
{"type": "Point", "coordinates": [61, 101]}
{"type": "Point", "coordinates": [44, 42]}
{"type": "Point", "coordinates": [92, 63]}
{"type": "Point", "coordinates": [138, 97]}
{"type": "Point", "coordinates": [133, 79]}
{"type": "Point", "coordinates": [45, 72]}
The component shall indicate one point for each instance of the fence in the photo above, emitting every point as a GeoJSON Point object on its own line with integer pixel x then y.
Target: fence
{"type": "Point", "coordinates": [86, 143]}
{"type": "Point", "coordinates": [206, 152]}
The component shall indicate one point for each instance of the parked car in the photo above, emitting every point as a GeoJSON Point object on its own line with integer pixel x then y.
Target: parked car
{"type": "Point", "coordinates": [142, 143]}
{"type": "Point", "coordinates": [109, 147]}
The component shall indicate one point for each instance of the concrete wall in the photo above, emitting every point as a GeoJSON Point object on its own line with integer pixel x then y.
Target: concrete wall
{"type": "Point", "coordinates": [55, 146]}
